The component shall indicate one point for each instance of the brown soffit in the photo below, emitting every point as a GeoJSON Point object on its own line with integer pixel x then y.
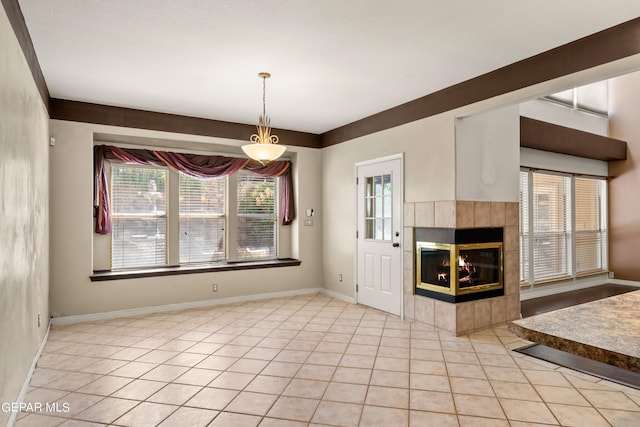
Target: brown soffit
{"type": "Point", "coordinates": [559, 139]}
{"type": "Point", "coordinates": [600, 48]}
{"type": "Point", "coordinates": [14, 13]}
{"type": "Point", "coordinates": [62, 109]}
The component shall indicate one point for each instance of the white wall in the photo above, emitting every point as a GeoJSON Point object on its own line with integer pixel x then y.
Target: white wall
{"type": "Point", "coordinates": [24, 222]}
{"type": "Point", "coordinates": [72, 293]}
{"type": "Point", "coordinates": [562, 162]}
{"type": "Point", "coordinates": [487, 148]}
{"type": "Point", "coordinates": [429, 166]}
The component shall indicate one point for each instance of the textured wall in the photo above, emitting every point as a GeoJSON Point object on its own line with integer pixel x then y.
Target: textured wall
{"type": "Point", "coordinates": [72, 292]}
{"type": "Point", "coordinates": [24, 223]}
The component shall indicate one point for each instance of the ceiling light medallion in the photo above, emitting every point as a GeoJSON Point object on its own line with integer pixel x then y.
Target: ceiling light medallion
{"type": "Point", "coordinates": [263, 146]}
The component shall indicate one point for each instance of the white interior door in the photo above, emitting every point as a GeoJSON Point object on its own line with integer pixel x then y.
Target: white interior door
{"type": "Point", "coordinates": [379, 234]}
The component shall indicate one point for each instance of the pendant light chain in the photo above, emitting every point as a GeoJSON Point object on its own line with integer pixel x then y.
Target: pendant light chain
{"type": "Point", "coordinates": [264, 97]}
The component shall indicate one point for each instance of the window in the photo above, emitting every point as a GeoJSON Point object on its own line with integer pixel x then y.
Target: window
{"type": "Point", "coordinates": [257, 217]}
{"type": "Point", "coordinates": [139, 215]}
{"type": "Point", "coordinates": [562, 226]}
{"type": "Point", "coordinates": [591, 225]}
{"type": "Point", "coordinates": [378, 207]}
{"type": "Point", "coordinates": [209, 227]}
{"type": "Point", "coordinates": [202, 219]}
{"type": "Point", "coordinates": [592, 98]}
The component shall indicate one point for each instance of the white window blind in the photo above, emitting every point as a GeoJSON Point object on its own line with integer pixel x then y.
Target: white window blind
{"type": "Point", "coordinates": [591, 225]}
{"type": "Point", "coordinates": [524, 227]}
{"type": "Point", "coordinates": [138, 203]}
{"type": "Point", "coordinates": [257, 217]}
{"type": "Point", "coordinates": [563, 226]}
{"type": "Point", "coordinates": [202, 219]}
{"type": "Point", "coordinates": [210, 230]}
{"type": "Point", "coordinates": [551, 226]}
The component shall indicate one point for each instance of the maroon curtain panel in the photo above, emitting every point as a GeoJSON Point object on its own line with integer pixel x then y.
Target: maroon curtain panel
{"type": "Point", "coordinates": [191, 164]}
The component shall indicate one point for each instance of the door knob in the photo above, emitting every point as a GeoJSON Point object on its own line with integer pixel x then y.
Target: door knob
{"type": "Point", "coordinates": [396, 245]}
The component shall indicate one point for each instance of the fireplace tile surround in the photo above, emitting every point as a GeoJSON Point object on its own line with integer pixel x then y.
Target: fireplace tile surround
{"type": "Point", "coordinates": [466, 317]}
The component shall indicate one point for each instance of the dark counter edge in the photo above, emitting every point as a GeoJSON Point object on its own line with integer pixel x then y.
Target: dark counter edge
{"type": "Point", "coordinates": [610, 357]}
{"type": "Point", "coordinates": [100, 276]}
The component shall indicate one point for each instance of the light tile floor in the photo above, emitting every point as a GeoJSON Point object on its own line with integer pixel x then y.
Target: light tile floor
{"type": "Point", "coordinates": [305, 360]}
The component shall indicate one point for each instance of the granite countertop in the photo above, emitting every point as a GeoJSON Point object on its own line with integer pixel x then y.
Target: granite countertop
{"type": "Point", "coordinates": [606, 330]}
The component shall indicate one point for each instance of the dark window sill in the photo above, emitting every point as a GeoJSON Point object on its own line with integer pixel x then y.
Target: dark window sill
{"type": "Point", "coordinates": [99, 276]}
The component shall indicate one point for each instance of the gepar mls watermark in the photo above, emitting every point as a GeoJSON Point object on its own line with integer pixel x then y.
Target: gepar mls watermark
{"type": "Point", "coordinates": [36, 407]}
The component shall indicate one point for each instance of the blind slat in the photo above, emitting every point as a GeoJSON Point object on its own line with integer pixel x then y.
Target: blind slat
{"type": "Point", "coordinates": [563, 226]}
{"type": "Point", "coordinates": [202, 219]}
{"type": "Point", "coordinates": [591, 236]}
{"type": "Point", "coordinates": [551, 226]}
{"type": "Point", "coordinates": [257, 217]}
{"type": "Point", "coordinates": [524, 227]}
{"type": "Point", "coordinates": [139, 205]}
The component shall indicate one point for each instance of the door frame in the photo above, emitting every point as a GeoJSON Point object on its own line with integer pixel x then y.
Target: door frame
{"type": "Point", "coordinates": [397, 156]}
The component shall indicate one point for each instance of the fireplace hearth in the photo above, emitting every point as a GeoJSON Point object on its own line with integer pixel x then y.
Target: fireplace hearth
{"type": "Point", "coordinates": [458, 265]}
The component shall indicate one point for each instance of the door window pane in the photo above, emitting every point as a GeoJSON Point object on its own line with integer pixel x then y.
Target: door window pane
{"type": "Point", "coordinates": [378, 207]}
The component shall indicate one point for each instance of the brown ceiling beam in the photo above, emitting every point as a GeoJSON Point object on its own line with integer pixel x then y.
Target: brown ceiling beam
{"type": "Point", "coordinates": [62, 109]}
{"type": "Point", "coordinates": [559, 139]}
{"type": "Point", "coordinates": [600, 48]}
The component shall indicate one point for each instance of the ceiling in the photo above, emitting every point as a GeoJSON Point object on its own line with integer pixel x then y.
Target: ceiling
{"type": "Point", "coordinates": [332, 61]}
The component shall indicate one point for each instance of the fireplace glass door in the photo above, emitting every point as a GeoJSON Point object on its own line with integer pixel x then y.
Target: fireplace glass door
{"type": "Point", "coordinates": [435, 266]}
{"type": "Point", "coordinates": [459, 269]}
{"type": "Point", "coordinates": [477, 267]}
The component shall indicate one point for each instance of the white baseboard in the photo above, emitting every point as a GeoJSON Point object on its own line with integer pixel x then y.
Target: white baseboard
{"type": "Point", "coordinates": [27, 380]}
{"type": "Point", "coordinates": [337, 295]}
{"type": "Point", "coordinates": [192, 304]}
{"type": "Point", "coordinates": [624, 282]}
{"type": "Point", "coordinates": [557, 288]}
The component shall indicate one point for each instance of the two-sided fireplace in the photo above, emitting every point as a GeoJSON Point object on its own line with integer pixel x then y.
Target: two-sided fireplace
{"type": "Point", "coordinates": [457, 265]}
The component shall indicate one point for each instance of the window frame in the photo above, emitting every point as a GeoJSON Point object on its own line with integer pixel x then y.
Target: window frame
{"type": "Point", "coordinates": [575, 103]}
{"type": "Point", "coordinates": [116, 216]}
{"type": "Point", "coordinates": [234, 180]}
{"type": "Point", "coordinates": [173, 264]}
{"type": "Point", "coordinates": [527, 278]}
{"type": "Point", "coordinates": [223, 216]}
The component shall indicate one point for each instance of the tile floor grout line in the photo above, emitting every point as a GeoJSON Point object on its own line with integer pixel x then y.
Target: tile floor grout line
{"type": "Point", "coordinates": [318, 316]}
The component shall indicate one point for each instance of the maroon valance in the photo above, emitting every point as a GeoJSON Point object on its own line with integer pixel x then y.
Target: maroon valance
{"type": "Point", "coordinates": [191, 164]}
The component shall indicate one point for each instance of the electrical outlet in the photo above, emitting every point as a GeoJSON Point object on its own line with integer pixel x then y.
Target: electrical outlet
{"type": "Point", "coordinates": [38, 320]}
{"type": "Point", "coordinates": [340, 278]}
{"type": "Point", "coordinates": [214, 287]}
{"type": "Point", "coordinates": [611, 275]}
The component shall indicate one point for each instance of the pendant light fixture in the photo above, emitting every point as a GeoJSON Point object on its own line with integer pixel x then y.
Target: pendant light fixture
{"type": "Point", "coordinates": [263, 147]}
